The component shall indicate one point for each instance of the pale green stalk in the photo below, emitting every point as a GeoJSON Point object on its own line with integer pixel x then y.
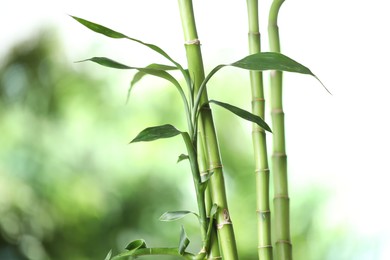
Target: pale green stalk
{"type": "Point", "coordinates": [216, 185]}
{"type": "Point", "coordinates": [214, 246]}
{"type": "Point", "coordinates": [283, 245]}
{"type": "Point", "coordinates": [259, 141]}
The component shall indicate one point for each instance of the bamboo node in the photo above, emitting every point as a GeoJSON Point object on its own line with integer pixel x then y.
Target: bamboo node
{"type": "Point", "coordinates": [253, 33]}
{"type": "Point", "coordinates": [192, 42]}
{"type": "Point", "coordinates": [277, 111]}
{"type": "Point", "coordinates": [265, 246]}
{"type": "Point", "coordinates": [263, 211]}
{"type": "Point", "coordinates": [280, 196]}
{"type": "Point", "coordinates": [258, 130]}
{"type": "Point", "coordinates": [276, 154]}
{"type": "Point", "coordinates": [222, 224]}
{"type": "Point", "coordinates": [266, 170]}
{"type": "Point", "coordinates": [258, 100]}
{"type": "Point", "coordinates": [288, 242]}
{"type": "Point", "coordinates": [214, 166]}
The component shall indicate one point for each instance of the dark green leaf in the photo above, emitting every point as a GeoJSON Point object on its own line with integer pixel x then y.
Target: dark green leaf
{"type": "Point", "coordinates": [271, 61]}
{"type": "Point", "coordinates": [243, 114]}
{"type": "Point", "coordinates": [108, 256]}
{"type": "Point", "coordinates": [184, 241]}
{"type": "Point", "coordinates": [156, 132]}
{"type": "Point", "coordinates": [175, 215]}
{"type": "Point", "coordinates": [156, 70]}
{"type": "Point", "coordinates": [109, 63]}
{"type": "Point", "coordinates": [182, 157]}
{"type": "Point", "coordinates": [113, 34]}
{"type": "Point", "coordinates": [99, 28]}
{"type": "Point", "coordinates": [140, 74]}
{"type": "Point", "coordinates": [136, 244]}
{"type": "Point", "coordinates": [261, 61]}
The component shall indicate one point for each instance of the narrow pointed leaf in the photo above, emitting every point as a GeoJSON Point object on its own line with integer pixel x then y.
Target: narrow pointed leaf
{"type": "Point", "coordinates": [182, 157]}
{"type": "Point", "coordinates": [157, 70]}
{"type": "Point", "coordinates": [175, 215]}
{"type": "Point", "coordinates": [156, 132]}
{"type": "Point", "coordinates": [117, 35]}
{"type": "Point", "coordinates": [184, 241]}
{"type": "Point", "coordinates": [135, 245]}
{"type": "Point", "coordinates": [108, 256]}
{"type": "Point", "coordinates": [261, 61]}
{"type": "Point", "coordinates": [243, 114]}
{"type": "Point", "coordinates": [140, 74]}
{"type": "Point", "coordinates": [271, 61]}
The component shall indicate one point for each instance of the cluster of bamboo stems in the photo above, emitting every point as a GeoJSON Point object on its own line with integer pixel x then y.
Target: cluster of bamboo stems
{"type": "Point", "coordinates": [216, 227]}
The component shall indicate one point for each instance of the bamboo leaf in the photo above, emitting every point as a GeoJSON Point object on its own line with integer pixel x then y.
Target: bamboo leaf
{"type": "Point", "coordinates": [157, 70]}
{"type": "Point", "coordinates": [175, 215]}
{"type": "Point", "coordinates": [154, 70]}
{"type": "Point", "coordinates": [156, 132]}
{"type": "Point", "coordinates": [117, 35]}
{"type": "Point", "coordinates": [140, 74]}
{"type": "Point", "coordinates": [108, 256]}
{"type": "Point", "coordinates": [243, 114]}
{"type": "Point", "coordinates": [135, 245]}
{"type": "Point", "coordinates": [184, 241]}
{"type": "Point", "coordinates": [182, 157]}
{"type": "Point", "coordinates": [273, 61]}
{"type": "Point", "coordinates": [261, 61]}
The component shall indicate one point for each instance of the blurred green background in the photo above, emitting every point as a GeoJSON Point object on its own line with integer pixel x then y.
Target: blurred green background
{"type": "Point", "coordinates": [72, 188]}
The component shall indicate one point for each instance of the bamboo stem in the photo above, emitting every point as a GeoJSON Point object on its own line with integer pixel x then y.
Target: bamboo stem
{"type": "Point", "coordinates": [283, 246]}
{"type": "Point", "coordinates": [259, 141]}
{"type": "Point", "coordinates": [214, 246]}
{"type": "Point", "coordinates": [216, 185]}
{"type": "Point", "coordinates": [192, 154]}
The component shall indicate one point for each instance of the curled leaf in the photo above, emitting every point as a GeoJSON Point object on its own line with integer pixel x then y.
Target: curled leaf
{"type": "Point", "coordinates": [184, 241]}
{"type": "Point", "coordinates": [135, 245]}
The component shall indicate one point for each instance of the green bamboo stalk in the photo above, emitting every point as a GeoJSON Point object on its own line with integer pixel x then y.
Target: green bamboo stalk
{"type": "Point", "coordinates": [259, 141]}
{"type": "Point", "coordinates": [193, 157]}
{"type": "Point", "coordinates": [283, 245]}
{"type": "Point", "coordinates": [217, 185]}
{"type": "Point", "coordinates": [202, 161]}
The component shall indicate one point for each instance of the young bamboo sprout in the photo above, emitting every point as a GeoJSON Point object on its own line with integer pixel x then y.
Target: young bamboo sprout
{"type": "Point", "coordinates": [217, 183]}
{"type": "Point", "coordinates": [283, 245]}
{"type": "Point", "coordinates": [259, 141]}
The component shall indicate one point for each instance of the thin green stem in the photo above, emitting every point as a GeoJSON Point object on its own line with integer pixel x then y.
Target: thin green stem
{"type": "Point", "coordinates": [202, 161]}
{"type": "Point", "coordinates": [259, 141]}
{"type": "Point", "coordinates": [193, 157]}
{"type": "Point", "coordinates": [283, 246]}
{"type": "Point", "coordinates": [155, 251]}
{"type": "Point", "coordinates": [217, 184]}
